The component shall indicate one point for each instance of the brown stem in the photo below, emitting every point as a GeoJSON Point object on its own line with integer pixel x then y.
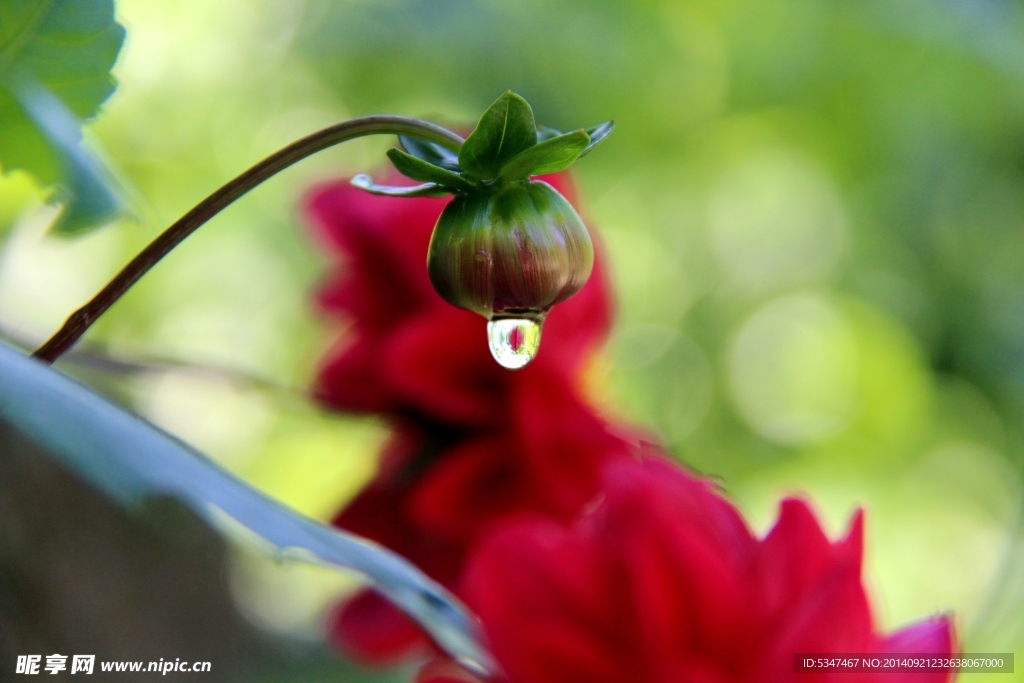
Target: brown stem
{"type": "Point", "coordinates": [80, 321]}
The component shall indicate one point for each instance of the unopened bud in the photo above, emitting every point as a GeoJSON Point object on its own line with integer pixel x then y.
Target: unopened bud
{"type": "Point", "coordinates": [511, 253]}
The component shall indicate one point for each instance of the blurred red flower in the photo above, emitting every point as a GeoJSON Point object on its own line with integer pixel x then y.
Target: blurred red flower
{"type": "Point", "coordinates": [473, 443]}
{"type": "Point", "coordinates": [509, 488]}
{"type": "Point", "coordinates": [663, 582]}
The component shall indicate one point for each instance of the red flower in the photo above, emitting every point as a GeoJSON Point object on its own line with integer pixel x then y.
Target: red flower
{"type": "Point", "coordinates": [663, 582]}
{"type": "Point", "coordinates": [485, 483]}
{"type": "Point", "coordinates": [474, 443]}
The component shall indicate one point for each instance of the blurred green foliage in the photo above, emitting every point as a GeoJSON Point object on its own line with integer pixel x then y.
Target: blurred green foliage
{"type": "Point", "coordinates": [812, 210]}
{"type": "Point", "coordinates": [55, 61]}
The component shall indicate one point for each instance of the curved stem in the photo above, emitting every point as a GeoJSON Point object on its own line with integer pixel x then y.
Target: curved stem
{"type": "Point", "coordinates": [80, 321]}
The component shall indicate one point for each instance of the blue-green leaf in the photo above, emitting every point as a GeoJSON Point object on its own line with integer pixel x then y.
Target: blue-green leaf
{"type": "Point", "coordinates": [365, 182]}
{"type": "Point", "coordinates": [597, 135]}
{"type": "Point", "coordinates": [64, 48]}
{"type": "Point", "coordinates": [130, 461]}
{"type": "Point", "coordinates": [504, 130]}
{"type": "Point", "coordinates": [430, 152]}
{"type": "Point", "coordinates": [85, 191]}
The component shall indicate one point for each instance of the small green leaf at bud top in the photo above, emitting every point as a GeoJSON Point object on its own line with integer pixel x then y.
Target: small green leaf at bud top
{"type": "Point", "coordinates": [505, 129]}
{"type": "Point", "coordinates": [506, 247]}
{"type": "Point", "coordinates": [550, 156]}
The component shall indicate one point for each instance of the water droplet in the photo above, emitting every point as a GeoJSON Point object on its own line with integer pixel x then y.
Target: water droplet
{"type": "Point", "coordinates": [513, 341]}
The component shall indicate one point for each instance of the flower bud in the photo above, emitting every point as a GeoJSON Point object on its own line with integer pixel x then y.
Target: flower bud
{"type": "Point", "coordinates": [513, 252]}
{"type": "Point", "coordinates": [506, 247]}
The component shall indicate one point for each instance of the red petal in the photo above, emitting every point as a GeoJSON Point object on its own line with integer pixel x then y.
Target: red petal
{"type": "Point", "coordinates": [474, 484]}
{"type": "Point", "coordinates": [685, 552]}
{"type": "Point", "coordinates": [369, 630]}
{"type": "Point", "coordinates": [547, 601]}
{"type": "Point", "coordinates": [564, 441]}
{"type": "Point", "coordinates": [809, 591]}
{"type": "Point", "coordinates": [438, 365]}
{"type": "Point", "coordinates": [383, 242]}
{"type": "Point", "coordinates": [379, 513]}
{"type": "Point", "coordinates": [794, 555]}
{"type": "Point", "coordinates": [349, 380]}
{"type": "Point", "coordinates": [673, 492]}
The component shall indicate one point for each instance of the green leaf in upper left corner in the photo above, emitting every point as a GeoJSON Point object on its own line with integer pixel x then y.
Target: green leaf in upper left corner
{"type": "Point", "coordinates": [55, 61]}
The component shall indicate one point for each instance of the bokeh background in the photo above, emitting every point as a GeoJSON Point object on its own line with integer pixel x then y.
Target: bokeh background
{"type": "Point", "coordinates": [813, 211]}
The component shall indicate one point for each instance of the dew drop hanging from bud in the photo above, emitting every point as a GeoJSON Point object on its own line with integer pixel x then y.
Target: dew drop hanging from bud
{"type": "Point", "coordinates": [513, 341]}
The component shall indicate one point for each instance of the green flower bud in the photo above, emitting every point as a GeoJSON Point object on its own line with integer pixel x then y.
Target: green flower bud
{"type": "Point", "coordinates": [510, 253]}
{"type": "Point", "coordinates": [506, 247]}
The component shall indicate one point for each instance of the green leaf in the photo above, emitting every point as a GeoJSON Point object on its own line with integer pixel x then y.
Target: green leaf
{"type": "Point", "coordinates": [86, 191]}
{"type": "Point", "coordinates": [430, 152]}
{"type": "Point", "coordinates": [597, 135]}
{"type": "Point", "coordinates": [550, 156]}
{"type": "Point", "coordinates": [365, 182]}
{"type": "Point", "coordinates": [131, 461]}
{"type": "Point", "coordinates": [65, 48]}
{"type": "Point", "coordinates": [417, 169]}
{"type": "Point", "coordinates": [505, 130]}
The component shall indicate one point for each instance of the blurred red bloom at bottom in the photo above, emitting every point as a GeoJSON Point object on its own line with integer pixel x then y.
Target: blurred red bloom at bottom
{"type": "Point", "coordinates": [662, 582]}
{"type": "Point", "coordinates": [433, 500]}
